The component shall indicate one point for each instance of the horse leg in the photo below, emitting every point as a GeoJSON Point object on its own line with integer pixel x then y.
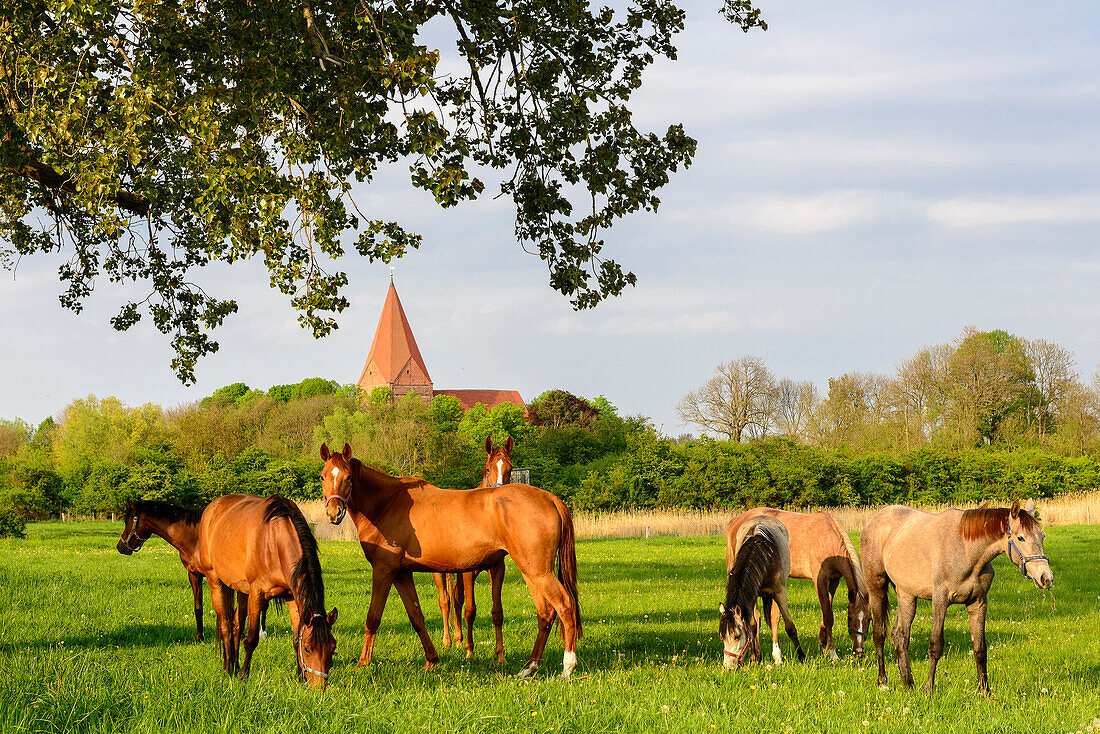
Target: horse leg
{"type": "Point", "coordinates": [407, 589]}
{"type": "Point", "coordinates": [771, 616]}
{"type": "Point", "coordinates": [470, 612]}
{"type": "Point", "coordinates": [976, 611]}
{"type": "Point", "coordinates": [455, 591]}
{"type": "Point", "coordinates": [879, 596]}
{"type": "Point", "coordinates": [221, 598]}
{"type": "Point", "coordinates": [788, 624]}
{"type": "Point", "coordinates": [496, 576]}
{"type": "Point", "coordinates": [935, 641]}
{"type": "Point", "coordinates": [903, 623]}
{"type": "Point", "coordinates": [544, 616]}
{"type": "Point", "coordinates": [825, 591]}
{"type": "Point", "coordinates": [444, 606]}
{"type": "Point", "coordinates": [553, 593]}
{"type": "Point", "coordinates": [196, 591]}
{"type": "Point", "coordinates": [241, 620]}
{"type": "Point", "coordinates": [380, 589]}
{"type": "Point", "coordinates": [256, 603]}
{"type": "Point", "coordinates": [263, 622]}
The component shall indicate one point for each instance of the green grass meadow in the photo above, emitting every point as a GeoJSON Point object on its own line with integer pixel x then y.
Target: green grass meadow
{"type": "Point", "coordinates": [94, 641]}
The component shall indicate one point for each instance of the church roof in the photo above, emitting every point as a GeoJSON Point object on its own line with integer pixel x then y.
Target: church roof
{"type": "Point", "coordinates": [394, 349]}
{"type": "Point", "coordinates": [489, 398]}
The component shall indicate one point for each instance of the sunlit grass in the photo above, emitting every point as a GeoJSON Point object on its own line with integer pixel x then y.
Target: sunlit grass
{"type": "Point", "coordinates": [94, 641]}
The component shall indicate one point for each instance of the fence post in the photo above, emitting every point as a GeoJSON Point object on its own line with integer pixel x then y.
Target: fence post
{"type": "Point", "coordinates": [647, 532]}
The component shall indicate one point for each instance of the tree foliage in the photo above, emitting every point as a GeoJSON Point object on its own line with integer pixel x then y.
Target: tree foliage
{"type": "Point", "coordinates": [159, 137]}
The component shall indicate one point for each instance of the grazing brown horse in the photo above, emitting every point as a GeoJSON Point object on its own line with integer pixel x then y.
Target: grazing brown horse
{"type": "Point", "coordinates": [822, 552]}
{"type": "Point", "coordinates": [456, 588]}
{"type": "Point", "coordinates": [947, 558]}
{"type": "Point", "coordinates": [262, 547]}
{"type": "Point", "coordinates": [762, 561]}
{"type": "Point", "coordinates": [407, 525]}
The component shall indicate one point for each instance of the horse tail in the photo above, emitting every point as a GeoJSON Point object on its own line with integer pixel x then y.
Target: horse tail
{"type": "Point", "coordinates": [309, 588]}
{"type": "Point", "coordinates": [853, 558]}
{"type": "Point", "coordinates": [567, 561]}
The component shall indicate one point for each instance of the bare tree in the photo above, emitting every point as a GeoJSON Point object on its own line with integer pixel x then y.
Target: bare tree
{"type": "Point", "coordinates": [793, 406]}
{"type": "Point", "coordinates": [1055, 379]}
{"type": "Point", "coordinates": [737, 399]}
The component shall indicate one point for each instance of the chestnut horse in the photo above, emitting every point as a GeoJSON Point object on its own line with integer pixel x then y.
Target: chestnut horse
{"type": "Point", "coordinates": [456, 588]}
{"type": "Point", "coordinates": [947, 558]}
{"type": "Point", "coordinates": [762, 562]}
{"type": "Point", "coordinates": [262, 547]}
{"type": "Point", "coordinates": [822, 552]}
{"type": "Point", "coordinates": [407, 525]}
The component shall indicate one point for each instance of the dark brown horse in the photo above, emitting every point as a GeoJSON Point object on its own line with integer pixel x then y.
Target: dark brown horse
{"type": "Point", "coordinates": [822, 552]}
{"type": "Point", "coordinates": [761, 564]}
{"type": "Point", "coordinates": [262, 547]}
{"type": "Point", "coordinates": [948, 559]}
{"type": "Point", "coordinates": [407, 525]}
{"type": "Point", "coordinates": [456, 588]}
{"type": "Point", "coordinates": [178, 526]}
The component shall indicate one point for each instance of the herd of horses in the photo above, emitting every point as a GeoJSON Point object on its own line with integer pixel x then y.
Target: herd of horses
{"type": "Point", "coordinates": [252, 550]}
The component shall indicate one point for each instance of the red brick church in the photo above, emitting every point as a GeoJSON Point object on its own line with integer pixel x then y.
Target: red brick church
{"type": "Point", "coordinates": [394, 361]}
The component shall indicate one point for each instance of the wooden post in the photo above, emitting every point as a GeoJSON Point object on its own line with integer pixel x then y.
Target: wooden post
{"type": "Point", "coordinates": [647, 532]}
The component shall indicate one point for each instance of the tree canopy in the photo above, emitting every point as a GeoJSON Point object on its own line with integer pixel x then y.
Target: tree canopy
{"type": "Point", "coordinates": [149, 139]}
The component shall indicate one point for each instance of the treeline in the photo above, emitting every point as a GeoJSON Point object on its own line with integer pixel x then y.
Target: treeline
{"type": "Point", "coordinates": [986, 388]}
{"type": "Point", "coordinates": [860, 445]}
{"type": "Point", "coordinates": [99, 453]}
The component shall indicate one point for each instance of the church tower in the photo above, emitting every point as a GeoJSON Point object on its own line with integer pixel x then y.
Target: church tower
{"type": "Point", "coordinates": [394, 360]}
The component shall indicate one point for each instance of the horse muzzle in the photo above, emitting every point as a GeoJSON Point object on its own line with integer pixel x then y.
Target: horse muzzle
{"type": "Point", "coordinates": [1045, 577]}
{"type": "Point", "coordinates": [336, 514]}
{"type": "Point", "coordinates": [124, 549]}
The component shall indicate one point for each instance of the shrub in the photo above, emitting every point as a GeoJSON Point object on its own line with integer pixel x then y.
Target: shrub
{"type": "Point", "coordinates": [12, 525]}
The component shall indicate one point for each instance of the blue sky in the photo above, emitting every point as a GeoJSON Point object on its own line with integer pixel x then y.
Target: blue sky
{"type": "Point", "coordinates": [871, 178]}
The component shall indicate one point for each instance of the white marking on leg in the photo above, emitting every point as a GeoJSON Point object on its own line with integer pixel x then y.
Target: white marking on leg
{"type": "Point", "coordinates": [528, 670]}
{"type": "Point", "coordinates": [568, 664]}
{"type": "Point", "coordinates": [777, 656]}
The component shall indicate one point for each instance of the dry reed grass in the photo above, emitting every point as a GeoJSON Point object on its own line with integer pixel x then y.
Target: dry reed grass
{"type": "Point", "coordinates": [1073, 509]}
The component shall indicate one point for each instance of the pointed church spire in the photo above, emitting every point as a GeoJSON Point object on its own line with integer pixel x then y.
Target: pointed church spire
{"type": "Point", "coordinates": [394, 360]}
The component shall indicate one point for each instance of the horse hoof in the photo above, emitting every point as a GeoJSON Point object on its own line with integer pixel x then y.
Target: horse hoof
{"type": "Point", "coordinates": [469, 654]}
{"type": "Point", "coordinates": [263, 634]}
{"type": "Point", "coordinates": [363, 662]}
{"type": "Point", "coordinates": [832, 655]}
{"type": "Point", "coordinates": [528, 670]}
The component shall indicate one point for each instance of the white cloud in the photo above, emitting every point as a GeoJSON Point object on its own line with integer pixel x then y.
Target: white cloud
{"type": "Point", "coordinates": [983, 212]}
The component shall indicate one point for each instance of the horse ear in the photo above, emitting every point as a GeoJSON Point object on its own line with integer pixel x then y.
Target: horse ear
{"type": "Point", "coordinates": [332, 617]}
{"type": "Point", "coordinates": [1015, 509]}
{"type": "Point", "coordinates": [347, 452]}
{"type": "Point", "coordinates": [1029, 507]}
{"type": "Point", "coordinates": [488, 444]}
{"type": "Point", "coordinates": [324, 452]}
{"type": "Point", "coordinates": [508, 445]}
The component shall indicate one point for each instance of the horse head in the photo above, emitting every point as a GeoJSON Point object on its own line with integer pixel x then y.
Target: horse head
{"type": "Point", "coordinates": [336, 482]}
{"type": "Point", "coordinates": [134, 532]}
{"type": "Point", "coordinates": [498, 463]}
{"type": "Point", "coordinates": [736, 633]}
{"type": "Point", "coordinates": [315, 648]}
{"type": "Point", "coordinates": [1024, 545]}
{"type": "Point", "coordinates": [859, 620]}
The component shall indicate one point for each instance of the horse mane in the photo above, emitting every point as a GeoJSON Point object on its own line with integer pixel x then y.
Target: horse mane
{"type": "Point", "coordinates": [309, 587]}
{"type": "Point", "coordinates": [168, 511]}
{"type": "Point", "coordinates": [990, 522]}
{"type": "Point", "coordinates": [754, 557]}
{"type": "Point", "coordinates": [853, 557]}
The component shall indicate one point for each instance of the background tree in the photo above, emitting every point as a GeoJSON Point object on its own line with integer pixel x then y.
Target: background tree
{"type": "Point", "coordinates": [160, 137]}
{"type": "Point", "coordinates": [793, 407]}
{"type": "Point", "coordinates": [737, 399]}
{"type": "Point", "coordinates": [1055, 383]}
